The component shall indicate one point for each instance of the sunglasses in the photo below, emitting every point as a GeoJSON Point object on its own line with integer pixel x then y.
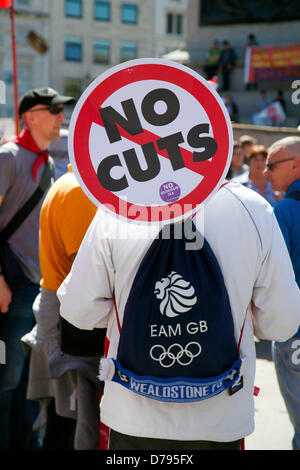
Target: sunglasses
{"type": "Point", "coordinates": [270, 165]}
{"type": "Point", "coordinates": [53, 109]}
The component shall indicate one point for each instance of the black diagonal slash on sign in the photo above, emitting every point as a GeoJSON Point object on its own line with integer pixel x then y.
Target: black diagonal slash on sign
{"type": "Point", "coordinates": [118, 126]}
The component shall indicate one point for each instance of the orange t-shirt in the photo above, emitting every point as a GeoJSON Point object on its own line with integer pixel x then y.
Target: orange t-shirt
{"type": "Point", "coordinates": [65, 217]}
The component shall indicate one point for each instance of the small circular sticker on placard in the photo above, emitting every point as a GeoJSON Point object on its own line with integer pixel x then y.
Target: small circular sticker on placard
{"type": "Point", "coordinates": [169, 192]}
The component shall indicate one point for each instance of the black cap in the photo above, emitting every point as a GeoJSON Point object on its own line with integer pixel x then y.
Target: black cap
{"type": "Point", "coordinates": [46, 96]}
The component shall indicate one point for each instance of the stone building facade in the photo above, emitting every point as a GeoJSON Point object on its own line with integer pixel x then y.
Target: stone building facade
{"type": "Point", "coordinates": [92, 36]}
{"type": "Point", "coordinates": [84, 38]}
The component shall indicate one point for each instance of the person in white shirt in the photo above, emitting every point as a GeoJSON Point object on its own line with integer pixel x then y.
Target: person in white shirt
{"type": "Point", "coordinates": [242, 231]}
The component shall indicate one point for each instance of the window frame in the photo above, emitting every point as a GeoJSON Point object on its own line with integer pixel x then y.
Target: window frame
{"type": "Point", "coordinates": [103, 2]}
{"type": "Point", "coordinates": [131, 6]}
{"type": "Point", "coordinates": [23, 3]}
{"type": "Point", "coordinates": [71, 93]}
{"type": "Point", "coordinates": [105, 41]}
{"type": "Point", "coordinates": [174, 24]}
{"type": "Point", "coordinates": [125, 44]}
{"type": "Point", "coordinates": [74, 15]}
{"type": "Point", "coordinates": [68, 42]}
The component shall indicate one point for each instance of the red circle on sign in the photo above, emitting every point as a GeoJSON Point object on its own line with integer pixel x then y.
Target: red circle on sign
{"type": "Point", "coordinates": [212, 171]}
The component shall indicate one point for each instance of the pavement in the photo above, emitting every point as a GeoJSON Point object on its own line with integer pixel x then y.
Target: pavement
{"type": "Point", "coordinates": [273, 429]}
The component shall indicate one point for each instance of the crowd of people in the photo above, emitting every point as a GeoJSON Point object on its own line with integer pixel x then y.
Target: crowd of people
{"type": "Point", "coordinates": [250, 169]}
{"type": "Point", "coordinates": [222, 61]}
{"type": "Point", "coordinates": [68, 268]}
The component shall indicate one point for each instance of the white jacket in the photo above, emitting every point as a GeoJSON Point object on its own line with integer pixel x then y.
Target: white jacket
{"type": "Point", "coordinates": [242, 231]}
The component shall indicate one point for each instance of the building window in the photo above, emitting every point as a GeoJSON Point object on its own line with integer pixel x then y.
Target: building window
{"type": "Point", "coordinates": [23, 3]}
{"type": "Point", "coordinates": [73, 48]}
{"type": "Point", "coordinates": [129, 13]}
{"type": "Point", "coordinates": [101, 51]}
{"type": "Point", "coordinates": [7, 111]}
{"type": "Point", "coordinates": [24, 78]}
{"type": "Point", "coordinates": [73, 8]}
{"type": "Point", "coordinates": [174, 24]}
{"type": "Point", "coordinates": [101, 10]}
{"type": "Point", "coordinates": [73, 87]}
{"type": "Point", "coordinates": [179, 25]}
{"type": "Point", "coordinates": [21, 35]}
{"type": "Point", "coordinates": [128, 50]}
{"type": "Point", "coordinates": [9, 77]}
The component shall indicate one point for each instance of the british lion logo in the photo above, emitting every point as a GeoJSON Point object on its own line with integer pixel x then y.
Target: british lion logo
{"type": "Point", "coordinates": [177, 295]}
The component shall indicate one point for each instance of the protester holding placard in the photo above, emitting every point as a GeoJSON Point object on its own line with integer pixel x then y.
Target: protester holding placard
{"type": "Point", "coordinates": [245, 238]}
{"type": "Point", "coordinates": [175, 363]}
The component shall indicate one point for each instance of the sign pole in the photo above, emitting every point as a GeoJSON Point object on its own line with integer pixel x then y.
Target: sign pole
{"type": "Point", "coordinates": [15, 71]}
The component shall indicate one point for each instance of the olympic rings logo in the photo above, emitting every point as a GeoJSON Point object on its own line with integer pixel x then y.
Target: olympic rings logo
{"type": "Point", "coordinates": [175, 352]}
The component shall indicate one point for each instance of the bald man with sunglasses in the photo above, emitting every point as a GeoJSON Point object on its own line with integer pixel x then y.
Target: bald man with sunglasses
{"type": "Point", "coordinates": [283, 171]}
{"type": "Point", "coordinates": [22, 164]}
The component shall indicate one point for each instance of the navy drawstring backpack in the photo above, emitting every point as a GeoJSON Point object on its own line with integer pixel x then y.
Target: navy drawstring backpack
{"type": "Point", "coordinates": [177, 340]}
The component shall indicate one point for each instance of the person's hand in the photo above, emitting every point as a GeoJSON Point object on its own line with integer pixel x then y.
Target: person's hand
{"type": "Point", "coordinates": [5, 295]}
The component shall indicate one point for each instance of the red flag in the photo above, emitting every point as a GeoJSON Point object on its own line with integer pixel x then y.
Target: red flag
{"type": "Point", "coordinates": [5, 3]}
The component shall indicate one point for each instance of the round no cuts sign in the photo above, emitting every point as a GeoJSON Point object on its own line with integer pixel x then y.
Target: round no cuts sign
{"type": "Point", "coordinates": [150, 140]}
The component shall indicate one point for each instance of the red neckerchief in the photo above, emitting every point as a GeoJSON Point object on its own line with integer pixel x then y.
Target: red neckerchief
{"type": "Point", "coordinates": [26, 140]}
